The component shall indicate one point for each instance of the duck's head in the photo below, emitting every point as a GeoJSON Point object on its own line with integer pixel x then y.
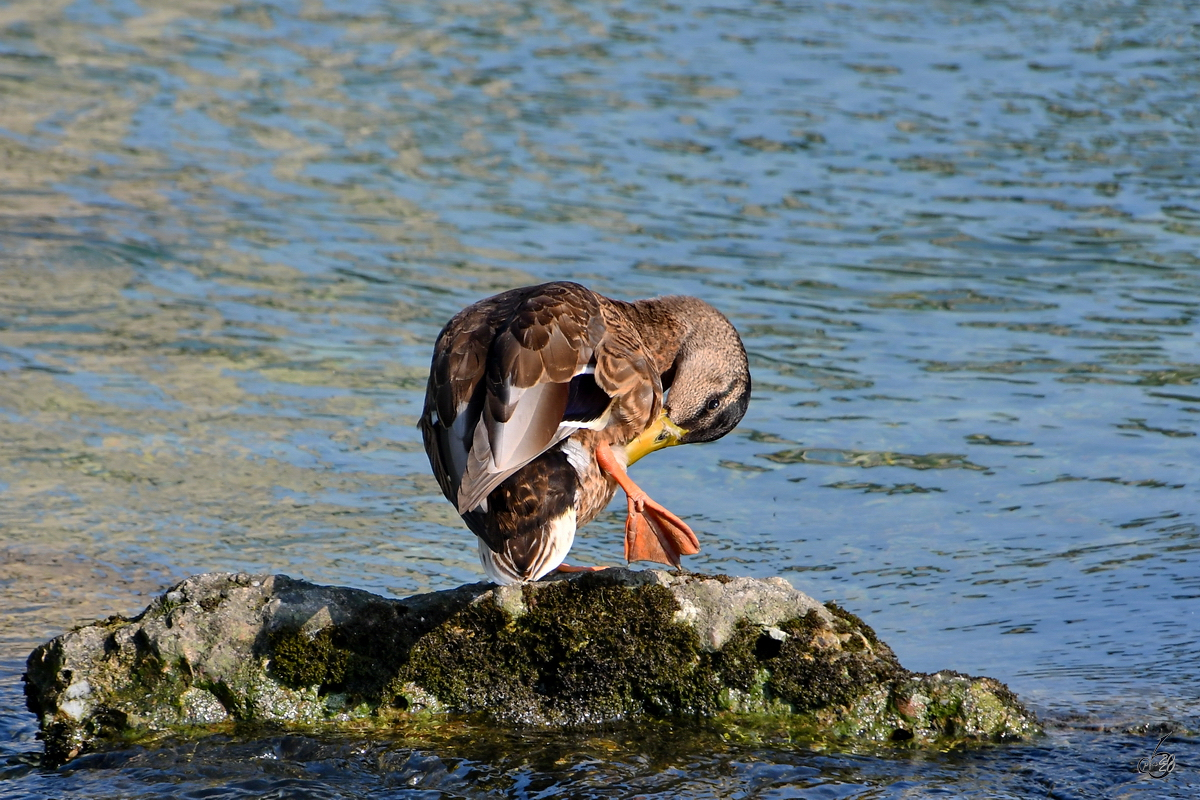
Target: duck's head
{"type": "Point", "coordinates": [707, 386]}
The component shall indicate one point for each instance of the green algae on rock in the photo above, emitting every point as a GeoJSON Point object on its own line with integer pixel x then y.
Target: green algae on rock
{"type": "Point", "coordinates": [589, 648]}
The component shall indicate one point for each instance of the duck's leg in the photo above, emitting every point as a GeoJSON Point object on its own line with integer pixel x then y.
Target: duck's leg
{"type": "Point", "coordinates": [570, 568]}
{"type": "Point", "coordinates": [652, 533]}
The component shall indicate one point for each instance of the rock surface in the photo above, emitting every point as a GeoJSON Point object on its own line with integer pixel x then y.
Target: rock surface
{"type": "Point", "coordinates": [595, 647]}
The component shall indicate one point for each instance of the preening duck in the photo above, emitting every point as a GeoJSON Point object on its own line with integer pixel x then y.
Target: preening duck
{"type": "Point", "coordinates": [541, 397]}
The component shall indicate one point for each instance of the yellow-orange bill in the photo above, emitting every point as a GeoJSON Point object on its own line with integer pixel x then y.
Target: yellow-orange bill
{"type": "Point", "coordinates": [661, 433]}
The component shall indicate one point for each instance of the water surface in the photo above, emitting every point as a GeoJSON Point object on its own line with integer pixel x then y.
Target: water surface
{"type": "Point", "coordinates": [960, 240]}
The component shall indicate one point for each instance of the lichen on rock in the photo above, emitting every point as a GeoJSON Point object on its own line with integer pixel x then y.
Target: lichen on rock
{"type": "Point", "coordinates": [595, 647]}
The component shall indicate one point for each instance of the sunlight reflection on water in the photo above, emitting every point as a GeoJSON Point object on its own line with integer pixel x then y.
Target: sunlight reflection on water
{"type": "Point", "coordinates": [960, 242]}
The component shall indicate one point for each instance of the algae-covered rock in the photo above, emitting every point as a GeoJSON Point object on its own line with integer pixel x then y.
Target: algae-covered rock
{"type": "Point", "coordinates": [614, 645]}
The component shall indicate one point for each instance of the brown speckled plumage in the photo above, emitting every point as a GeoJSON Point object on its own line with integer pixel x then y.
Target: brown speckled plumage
{"type": "Point", "coordinates": [526, 385]}
{"type": "Point", "coordinates": [596, 488]}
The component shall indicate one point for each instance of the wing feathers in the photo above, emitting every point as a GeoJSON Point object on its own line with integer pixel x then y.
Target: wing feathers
{"type": "Point", "coordinates": [503, 387]}
{"type": "Point", "coordinates": [536, 414]}
{"type": "Point", "coordinates": [516, 353]}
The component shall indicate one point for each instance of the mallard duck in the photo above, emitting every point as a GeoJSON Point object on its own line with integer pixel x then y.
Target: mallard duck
{"type": "Point", "coordinates": [541, 397]}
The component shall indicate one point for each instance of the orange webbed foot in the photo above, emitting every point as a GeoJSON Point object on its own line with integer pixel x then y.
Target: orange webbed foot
{"type": "Point", "coordinates": [652, 533]}
{"type": "Point", "coordinates": [570, 568]}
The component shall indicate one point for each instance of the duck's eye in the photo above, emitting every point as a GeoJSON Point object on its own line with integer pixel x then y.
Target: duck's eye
{"type": "Point", "coordinates": [714, 404]}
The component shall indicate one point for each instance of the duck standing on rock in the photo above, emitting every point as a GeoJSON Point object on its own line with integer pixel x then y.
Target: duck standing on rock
{"type": "Point", "coordinates": [541, 397]}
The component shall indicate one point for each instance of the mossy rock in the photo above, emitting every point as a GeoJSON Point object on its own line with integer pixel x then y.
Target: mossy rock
{"type": "Point", "coordinates": [581, 653]}
{"type": "Point", "coordinates": [615, 645]}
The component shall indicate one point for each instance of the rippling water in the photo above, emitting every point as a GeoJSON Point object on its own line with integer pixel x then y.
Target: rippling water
{"type": "Point", "coordinates": [962, 241]}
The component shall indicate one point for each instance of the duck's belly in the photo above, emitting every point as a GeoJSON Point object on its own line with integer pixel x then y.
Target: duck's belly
{"type": "Point", "coordinates": [594, 488]}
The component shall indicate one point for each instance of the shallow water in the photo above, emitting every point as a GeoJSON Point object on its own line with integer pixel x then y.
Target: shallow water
{"type": "Point", "coordinates": [960, 241]}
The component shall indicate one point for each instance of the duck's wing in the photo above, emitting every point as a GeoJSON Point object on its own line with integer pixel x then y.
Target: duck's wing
{"type": "Point", "coordinates": [625, 372]}
{"type": "Point", "coordinates": [453, 397]}
{"type": "Point", "coordinates": [511, 376]}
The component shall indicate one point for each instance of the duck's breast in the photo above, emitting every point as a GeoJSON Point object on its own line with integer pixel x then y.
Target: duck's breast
{"type": "Point", "coordinates": [594, 488]}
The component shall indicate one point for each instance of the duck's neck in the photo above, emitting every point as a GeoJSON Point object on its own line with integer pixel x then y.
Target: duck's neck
{"type": "Point", "coordinates": [667, 326]}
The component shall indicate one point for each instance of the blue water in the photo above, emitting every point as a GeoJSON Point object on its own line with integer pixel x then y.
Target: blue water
{"type": "Point", "coordinates": [960, 241]}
